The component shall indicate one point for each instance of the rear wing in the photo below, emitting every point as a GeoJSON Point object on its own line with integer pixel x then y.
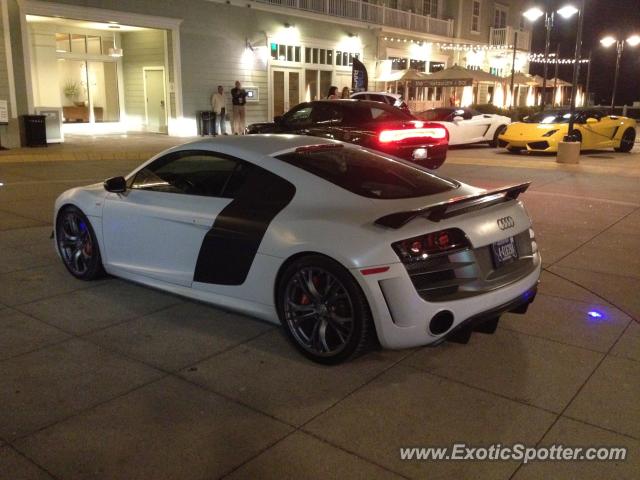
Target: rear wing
{"type": "Point", "coordinates": [455, 206]}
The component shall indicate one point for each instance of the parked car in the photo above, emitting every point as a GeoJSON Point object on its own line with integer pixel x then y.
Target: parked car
{"type": "Point", "coordinates": [542, 131]}
{"type": "Point", "coordinates": [393, 99]}
{"type": "Point", "coordinates": [339, 244]}
{"type": "Point", "coordinates": [363, 122]}
{"type": "Point", "coordinates": [467, 126]}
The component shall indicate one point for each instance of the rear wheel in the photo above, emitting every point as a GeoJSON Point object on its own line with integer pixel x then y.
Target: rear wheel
{"type": "Point", "coordinates": [627, 141]}
{"type": "Point", "coordinates": [499, 131]}
{"type": "Point", "coordinates": [77, 244]}
{"type": "Point", "coordinates": [323, 310]}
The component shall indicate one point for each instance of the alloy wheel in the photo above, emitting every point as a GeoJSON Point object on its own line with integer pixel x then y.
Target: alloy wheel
{"type": "Point", "coordinates": [75, 243]}
{"type": "Point", "coordinates": [319, 311]}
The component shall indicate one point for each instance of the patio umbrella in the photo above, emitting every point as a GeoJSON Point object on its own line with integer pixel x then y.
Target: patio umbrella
{"type": "Point", "coordinates": [523, 79]}
{"type": "Point", "coordinates": [461, 74]}
{"type": "Point", "coordinates": [558, 82]}
{"type": "Point", "coordinates": [457, 76]}
{"type": "Point", "coordinates": [402, 76]}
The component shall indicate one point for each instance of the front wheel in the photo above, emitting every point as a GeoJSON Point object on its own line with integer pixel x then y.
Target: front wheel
{"type": "Point", "coordinates": [499, 131]}
{"type": "Point", "coordinates": [323, 310]}
{"type": "Point", "coordinates": [627, 141]}
{"type": "Point", "coordinates": [77, 244]}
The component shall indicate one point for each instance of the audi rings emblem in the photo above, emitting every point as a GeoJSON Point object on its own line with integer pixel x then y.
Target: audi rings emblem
{"type": "Point", "coordinates": [506, 222]}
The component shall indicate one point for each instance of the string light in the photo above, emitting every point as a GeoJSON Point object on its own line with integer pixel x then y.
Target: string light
{"type": "Point", "coordinates": [452, 46]}
{"type": "Point", "coordinates": [472, 48]}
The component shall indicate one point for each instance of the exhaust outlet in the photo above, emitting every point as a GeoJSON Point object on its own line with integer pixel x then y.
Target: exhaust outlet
{"type": "Point", "coordinates": [441, 322]}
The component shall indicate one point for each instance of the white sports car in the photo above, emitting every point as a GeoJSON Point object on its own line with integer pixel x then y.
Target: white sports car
{"type": "Point", "coordinates": [467, 126]}
{"type": "Point", "coordinates": [340, 244]}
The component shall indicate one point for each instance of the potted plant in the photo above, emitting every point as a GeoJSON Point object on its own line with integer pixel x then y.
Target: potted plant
{"type": "Point", "coordinates": [72, 92]}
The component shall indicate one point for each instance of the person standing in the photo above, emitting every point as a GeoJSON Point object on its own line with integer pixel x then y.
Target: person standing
{"type": "Point", "coordinates": [219, 107]}
{"type": "Point", "coordinates": [345, 93]}
{"type": "Point", "coordinates": [333, 93]}
{"type": "Point", "coordinates": [239, 99]}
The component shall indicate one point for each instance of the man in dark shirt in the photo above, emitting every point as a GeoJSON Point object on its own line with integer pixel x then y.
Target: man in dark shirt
{"type": "Point", "coordinates": [239, 99]}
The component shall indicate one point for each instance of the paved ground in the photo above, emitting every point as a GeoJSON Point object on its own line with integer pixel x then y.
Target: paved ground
{"type": "Point", "coordinates": [113, 380]}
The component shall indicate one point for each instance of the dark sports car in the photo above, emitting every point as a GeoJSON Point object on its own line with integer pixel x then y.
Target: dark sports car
{"type": "Point", "coordinates": [369, 124]}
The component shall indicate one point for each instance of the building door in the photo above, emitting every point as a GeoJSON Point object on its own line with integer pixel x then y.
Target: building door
{"type": "Point", "coordinates": [155, 99]}
{"type": "Point", "coordinates": [286, 90]}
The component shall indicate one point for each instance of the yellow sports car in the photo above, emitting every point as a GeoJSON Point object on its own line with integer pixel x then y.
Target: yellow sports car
{"type": "Point", "coordinates": [542, 131]}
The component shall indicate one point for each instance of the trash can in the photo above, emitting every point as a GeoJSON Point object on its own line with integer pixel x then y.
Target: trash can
{"type": "Point", "coordinates": [34, 131]}
{"type": "Point", "coordinates": [205, 123]}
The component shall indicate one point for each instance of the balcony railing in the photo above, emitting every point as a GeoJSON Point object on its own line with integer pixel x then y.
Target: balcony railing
{"type": "Point", "coordinates": [371, 13]}
{"type": "Point", "coordinates": [504, 37]}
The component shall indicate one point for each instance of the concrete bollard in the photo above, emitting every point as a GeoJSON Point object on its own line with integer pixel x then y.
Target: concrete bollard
{"type": "Point", "coordinates": [568, 152]}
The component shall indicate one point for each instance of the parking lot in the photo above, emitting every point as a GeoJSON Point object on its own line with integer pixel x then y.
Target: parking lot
{"type": "Point", "coordinates": [113, 380]}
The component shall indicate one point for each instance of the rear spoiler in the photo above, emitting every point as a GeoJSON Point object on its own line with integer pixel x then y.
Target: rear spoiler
{"type": "Point", "coordinates": [455, 206]}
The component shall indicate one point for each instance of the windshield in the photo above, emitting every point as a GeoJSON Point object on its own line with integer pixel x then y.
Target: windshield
{"type": "Point", "coordinates": [548, 117]}
{"type": "Point", "coordinates": [437, 114]}
{"type": "Point", "coordinates": [368, 174]}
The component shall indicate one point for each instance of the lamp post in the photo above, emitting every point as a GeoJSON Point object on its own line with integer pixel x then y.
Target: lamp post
{"type": "Point", "coordinates": [533, 14]}
{"type": "Point", "coordinates": [567, 12]}
{"type": "Point", "coordinates": [633, 41]}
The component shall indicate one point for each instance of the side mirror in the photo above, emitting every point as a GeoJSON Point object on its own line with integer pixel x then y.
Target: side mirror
{"type": "Point", "coordinates": [115, 185]}
{"type": "Point", "coordinates": [458, 118]}
{"type": "Point", "coordinates": [592, 120]}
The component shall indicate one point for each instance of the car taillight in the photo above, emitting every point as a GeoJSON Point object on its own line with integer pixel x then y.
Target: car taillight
{"type": "Point", "coordinates": [424, 246]}
{"type": "Point", "coordinates": [389, 136]}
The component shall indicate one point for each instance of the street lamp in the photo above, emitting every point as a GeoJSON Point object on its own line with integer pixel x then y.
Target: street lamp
{"type": "Point", "coordinates": [607, 42]}
{"type": "Point", "coordinates": [533, 14]}
{"type": "Point", "coordinates": [576, 65]}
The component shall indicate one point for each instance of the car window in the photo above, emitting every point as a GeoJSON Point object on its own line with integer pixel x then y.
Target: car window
{"type": "Point", "coordinates": [368, 174]}
{"type": "Point", "coordinates": [326, 113]}
{"type": "Point", "coordinates": [471, 112]}
{"type": "Point", "coordinates": [189, 172]}
{"type": "Point", "coordinates": [300, 116]}
{"type": "Point", "coordinates": [437, 114]}
{"type": "Point", "coordinates": [377, 98]}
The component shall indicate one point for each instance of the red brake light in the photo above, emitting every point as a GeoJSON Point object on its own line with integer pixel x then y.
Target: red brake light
{"type": "Point", "coordinates": [388, 136]}
{"type": "Point", "coordinates": [419, 248]}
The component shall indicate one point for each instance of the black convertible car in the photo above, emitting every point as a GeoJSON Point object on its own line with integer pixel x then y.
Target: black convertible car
{"type": "Point", "coordinates": [370, 124]}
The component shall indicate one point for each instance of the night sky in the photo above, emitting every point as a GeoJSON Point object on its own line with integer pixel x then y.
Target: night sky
{"type": "Point", "coordinates": [620, 18]}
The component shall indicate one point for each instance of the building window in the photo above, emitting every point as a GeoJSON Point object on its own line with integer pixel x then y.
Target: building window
{"type": "Point", "coordinates": [398, 63]}
{"type": "Point", "coordinates": [500, 17]}
{"type": "Point", "coordinates": [435, 67]}
{"type": "Point", "coordinates": [286, 53]}
{"type": "Point", "coordinates": [419, 65]}
{"type": "Point", "coordinates": [430, 7]}
{"type": "Point", "coordinates": [475, 16]}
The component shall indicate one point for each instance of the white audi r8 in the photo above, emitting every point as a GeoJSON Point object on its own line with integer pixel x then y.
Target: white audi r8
{"type": "Point", "coordinates": [467, 126]}
{"type": "Point", "coordinates": [340, 244]}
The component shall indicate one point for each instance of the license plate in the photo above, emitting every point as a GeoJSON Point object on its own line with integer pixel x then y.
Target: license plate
{"type": "Point", "coordinates": [504, 252]}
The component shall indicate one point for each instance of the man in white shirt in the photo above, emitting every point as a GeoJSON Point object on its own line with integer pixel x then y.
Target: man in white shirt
{"type": "Point", "coordinates": [219, 107]}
